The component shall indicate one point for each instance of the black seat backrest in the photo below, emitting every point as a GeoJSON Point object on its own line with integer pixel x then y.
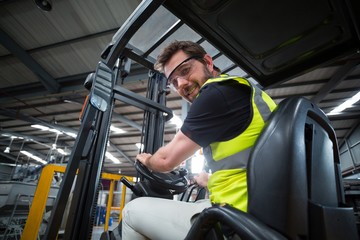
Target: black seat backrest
{"type": "Point", "coordinates": [294, 181]}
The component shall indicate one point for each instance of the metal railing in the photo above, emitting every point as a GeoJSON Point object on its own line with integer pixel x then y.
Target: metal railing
{"type": "Point", "coordinates": [35, 216]}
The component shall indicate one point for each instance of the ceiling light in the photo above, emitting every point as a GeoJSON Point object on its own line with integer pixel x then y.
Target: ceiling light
{"type": "Point", "coordinates": [55, 131]}
{"type": "Point", "coordinates": [33, 157]}
{"type": "Point", "coordinates": [11, 136]}
{"type": "Point", "coordinates": [74, 135]}
{"type": "Point", "coordinates": [140, 146]}
{"type": "Point", "coordinates": [45, 5]}
{"type": "Point", "coordinates": [112, 158]}
{"type": "Point", "coordinates": [41, 127]}
{"type": "Point", "coordinates": [58, 132]}
{"type": "Point", "coordinates": [116, 129]}
{"type": "Point", "coordinates": [347, 104]}
{"type": "Point", "coordinates": [61, 151]}
{"type": "Point", "coordinates": [44, 128]}
{"type": "Point", "coordinates": [7, 150]}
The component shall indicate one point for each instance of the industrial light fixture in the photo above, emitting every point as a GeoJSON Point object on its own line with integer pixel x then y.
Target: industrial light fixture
{"type": "Point", "coordinates": [112, 158]}
{"type": "Point", "coordinates": [44, 128]}
{"type": "Point", "coordinates": [54, 144]}
{"type": "Point", "coordinates": [36, 158]}
{"type": "Point", "coordinates": [347, 104]}
{"type": "Point", "coordinates": [74, 135]}
{"type": "Point", "coordinates": [116, 129]}
{"type": "Point", "coordinates": [41, 127]}
{"type": "Point", "coordinates": [140, 146]}
{"type": "Point", "coordinates": [61, 151]}
{"type": "Point", "coordinates": [7, 149]}
{"type": "Point", "coordinates": [45, 5]}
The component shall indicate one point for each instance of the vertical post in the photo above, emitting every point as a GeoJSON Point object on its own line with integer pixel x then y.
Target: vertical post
{"type": "Point", "coordinates": [109, 204]}
{"type": "Point", "coordinates": [351, 154]}
{"type": "Point", "coordinates": [122, 202]}
{"type": "Point", "coordinates": [38, 204]}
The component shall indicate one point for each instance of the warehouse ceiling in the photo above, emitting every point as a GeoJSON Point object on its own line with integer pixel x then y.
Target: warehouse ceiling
{"type": "Point", "coordinates": [45, 57]}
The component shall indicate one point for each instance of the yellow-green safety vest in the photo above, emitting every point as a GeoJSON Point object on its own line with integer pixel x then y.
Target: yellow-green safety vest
{"type": "Point", "coordinates": [228, 159]}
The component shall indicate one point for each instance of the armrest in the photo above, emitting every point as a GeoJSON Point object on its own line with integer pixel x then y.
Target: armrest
{"type": "Point", "coordinates": [245, 225]}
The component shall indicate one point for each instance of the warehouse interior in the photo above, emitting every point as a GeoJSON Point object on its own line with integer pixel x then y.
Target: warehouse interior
{"type": "Point", "coordinates": [49, 48]}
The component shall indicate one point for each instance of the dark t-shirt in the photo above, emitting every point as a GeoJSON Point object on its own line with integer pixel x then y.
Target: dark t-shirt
{"type": "Point", "coordinates": [221, 112]}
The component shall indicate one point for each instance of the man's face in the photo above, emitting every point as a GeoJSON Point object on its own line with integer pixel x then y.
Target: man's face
{"type": "Point", "coordinates": [187, 73]}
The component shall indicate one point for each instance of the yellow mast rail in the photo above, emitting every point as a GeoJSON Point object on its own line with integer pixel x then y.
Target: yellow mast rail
{"type": "Point", "coordinates": [35, 217]}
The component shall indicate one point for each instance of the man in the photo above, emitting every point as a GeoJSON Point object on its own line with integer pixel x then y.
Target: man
{"type": "Point", "coordinates": [226, 117]}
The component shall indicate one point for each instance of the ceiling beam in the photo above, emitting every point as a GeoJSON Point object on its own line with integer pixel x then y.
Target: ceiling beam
{"type": "Point", "coordinates": [349, 132]}
{"type": "Point", "coordinates": [121, 153]}
{"type": "Point", "coordinates": [345, 116]}
{"type": "Point", "coordinates": [16, 147]}
{"type": "Point", "coordinates": [7, 156]}
{"type": "Point", "coordinates": [26, 118]}
{"type": "Point", "coordinates": [109, 32]}
{"type": "Point", "coordinates": [45, 78]}
{"type": "Point", "coordinates": [67, 84]}
{"type": "Point", "coordinates": [340, 75]}
{"type": "Point", "coordinates": [32, 120]}
{"type": "Point", "coordinates": [126, 120]}
{"type": "Point", "coordinates": [26, 137]}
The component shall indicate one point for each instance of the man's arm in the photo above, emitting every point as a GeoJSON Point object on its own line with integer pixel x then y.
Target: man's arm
{"type": "Point", "coordinates": [166, 158]}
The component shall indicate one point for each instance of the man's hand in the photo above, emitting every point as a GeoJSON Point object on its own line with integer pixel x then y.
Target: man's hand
{"type": "Point", "coordinates": [202, 179]}
{"type": "Point", "coordinates": [144, 158]}
{"type": "Point", "coordinates": [166, 158]}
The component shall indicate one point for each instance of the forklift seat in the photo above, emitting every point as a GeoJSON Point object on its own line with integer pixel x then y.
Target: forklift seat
{"type": "Point", "coordinates": [294, 182]}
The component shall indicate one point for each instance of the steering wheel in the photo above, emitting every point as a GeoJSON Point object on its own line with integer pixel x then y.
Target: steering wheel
{"type": "Point", "coordinates": [175, 180]}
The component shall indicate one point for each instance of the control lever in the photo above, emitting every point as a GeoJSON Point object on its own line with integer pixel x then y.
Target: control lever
{"type": "Point", "coordinates": [131, 186]}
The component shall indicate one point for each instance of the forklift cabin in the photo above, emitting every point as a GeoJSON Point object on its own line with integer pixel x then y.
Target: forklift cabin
{"type": "Point", "coordinates": [295, 192]}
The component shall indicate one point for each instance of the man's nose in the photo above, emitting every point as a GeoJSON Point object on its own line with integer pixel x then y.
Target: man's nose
{"type": "Point", "coordinates": [182, 81]}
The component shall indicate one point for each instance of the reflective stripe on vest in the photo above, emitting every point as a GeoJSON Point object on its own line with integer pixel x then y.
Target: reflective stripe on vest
{"type": "Point", "coordinates": [259, 100]}
{"type": "Point", "coordinates": [237, 160]}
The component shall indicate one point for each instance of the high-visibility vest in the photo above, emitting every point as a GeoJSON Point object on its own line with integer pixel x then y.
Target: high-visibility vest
{"type": "Point", "coordinates": [228, 159]}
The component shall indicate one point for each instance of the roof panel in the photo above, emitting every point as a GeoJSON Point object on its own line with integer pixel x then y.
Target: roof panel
{"type": "Point", "coordinates": [13, 72]}
{"type": "Point", "coordinates": [153, 29]}
{"type": "Point", "coordinates": [183, 33]}
{"type": "Point", "coordinates": [307, 33]}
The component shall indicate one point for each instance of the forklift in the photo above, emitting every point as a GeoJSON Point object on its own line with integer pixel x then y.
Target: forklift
{"type": "Point", "coordinates": [308, 198]}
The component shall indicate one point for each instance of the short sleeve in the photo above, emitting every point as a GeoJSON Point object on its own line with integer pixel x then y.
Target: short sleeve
{"type": "Point", "coordinates": [221, 112]}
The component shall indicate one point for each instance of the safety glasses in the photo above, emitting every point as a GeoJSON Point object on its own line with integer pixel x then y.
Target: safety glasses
{"type": "Point", "coordinates": [182, 70]}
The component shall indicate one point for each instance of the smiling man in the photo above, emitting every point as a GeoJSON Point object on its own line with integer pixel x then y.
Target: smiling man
{"type": "Point", "coordinates": [226, 117]}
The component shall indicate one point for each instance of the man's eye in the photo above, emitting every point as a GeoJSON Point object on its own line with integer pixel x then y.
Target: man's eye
{"type": "Point", "coordinates": [184, 71]}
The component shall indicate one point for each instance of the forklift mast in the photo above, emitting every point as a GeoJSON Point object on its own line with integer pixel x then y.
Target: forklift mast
{"type": "Point", "coordinates": [87, 157]}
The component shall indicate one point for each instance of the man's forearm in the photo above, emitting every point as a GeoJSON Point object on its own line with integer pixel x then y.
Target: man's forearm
{"type": "Point", "coordinates": [157, 162]}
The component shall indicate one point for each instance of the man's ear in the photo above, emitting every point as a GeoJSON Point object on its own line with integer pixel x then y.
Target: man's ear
{"type": "Point", "coordinates": [209, 62]}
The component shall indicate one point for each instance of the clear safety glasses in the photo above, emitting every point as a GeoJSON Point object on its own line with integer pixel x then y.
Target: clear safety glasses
{"type": "Point", "coordinates": [182, 70]}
